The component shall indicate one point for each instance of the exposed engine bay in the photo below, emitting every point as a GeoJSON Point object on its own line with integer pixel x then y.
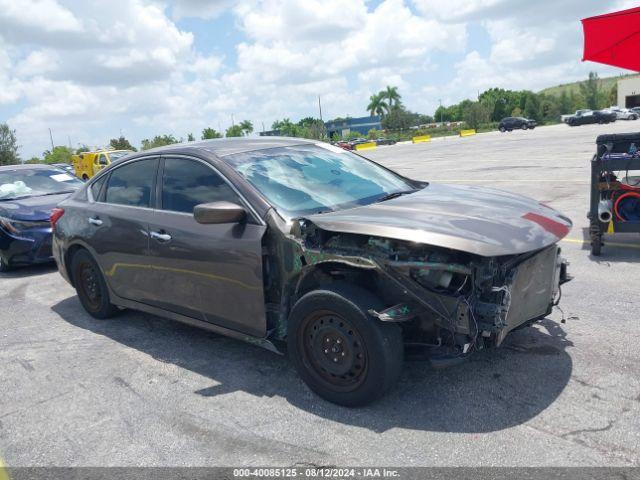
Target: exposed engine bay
{"type": "Point", "coordinates": [447, 301]}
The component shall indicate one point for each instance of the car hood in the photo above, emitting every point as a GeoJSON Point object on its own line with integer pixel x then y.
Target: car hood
{"type": "Point", "coordinates": [477, 220]}
{"type": "Point", "coordinates": [31, 209]}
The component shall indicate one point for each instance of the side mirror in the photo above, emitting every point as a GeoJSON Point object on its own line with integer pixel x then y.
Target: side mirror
{"type": "Point", "coordinates": [219, 212]}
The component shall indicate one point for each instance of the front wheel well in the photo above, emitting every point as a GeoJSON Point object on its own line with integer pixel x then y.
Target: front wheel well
{"type": "Point", "coordinates": [329, 273]}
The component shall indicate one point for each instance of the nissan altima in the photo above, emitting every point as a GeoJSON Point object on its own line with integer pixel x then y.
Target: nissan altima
{"type": "Point", "coordinates": [304, 247]}
{"type": "Point", "coordinates": [28, 194]}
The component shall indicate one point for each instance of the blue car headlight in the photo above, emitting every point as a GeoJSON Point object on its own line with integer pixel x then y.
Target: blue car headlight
{"type": "Point", "coordinates": [15, 227]}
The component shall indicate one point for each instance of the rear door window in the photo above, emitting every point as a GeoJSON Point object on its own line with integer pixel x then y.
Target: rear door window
{"type": "Point", "coordinates": [187, 183]}
{"type": "Point", "coordinates": [132, 184]}
{"type": "Point", "coordinates": [96, 187]}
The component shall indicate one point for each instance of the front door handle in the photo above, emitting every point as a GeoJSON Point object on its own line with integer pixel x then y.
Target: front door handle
{"type": "Point", "coordinates": [161, 236]}
{"type": "Point", "coordinates": [95, 221]}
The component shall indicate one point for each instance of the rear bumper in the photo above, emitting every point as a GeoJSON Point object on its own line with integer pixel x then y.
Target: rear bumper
{"type": "Point", "coordinates": [26, 248]}
{"type": "Point", "coordinates": [58, 256]}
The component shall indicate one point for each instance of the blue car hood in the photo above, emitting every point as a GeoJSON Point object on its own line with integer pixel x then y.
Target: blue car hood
{"type": "Point", "coordinates": [31, 209]}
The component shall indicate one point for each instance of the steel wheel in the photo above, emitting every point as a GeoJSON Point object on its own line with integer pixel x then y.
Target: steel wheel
{"type": "Point", "coordinates": [334, 351]}
{"type": "Point", "coordinates": [88, 284]}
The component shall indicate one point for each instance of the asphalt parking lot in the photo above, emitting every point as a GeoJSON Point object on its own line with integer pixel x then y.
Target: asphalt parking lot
{"type": "Point", "coordinates": [140, 390]}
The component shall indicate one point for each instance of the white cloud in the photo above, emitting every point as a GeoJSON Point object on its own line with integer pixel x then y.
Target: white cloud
{"type": "Point", "coordinates": [36, 20]}
{"type": "Point", "coordinates": [87, 68]}
{"type": "Point", "coordinates": [200, 8]}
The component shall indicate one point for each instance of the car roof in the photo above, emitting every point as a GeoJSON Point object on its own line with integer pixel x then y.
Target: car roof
{"type": "Point", "coordinates": [221, 147]}
{"type": "Point", "coordinates": [28, 166]}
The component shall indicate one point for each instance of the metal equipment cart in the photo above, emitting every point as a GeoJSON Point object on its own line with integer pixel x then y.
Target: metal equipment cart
{"type": "Point", "coordinates": [615, 153]}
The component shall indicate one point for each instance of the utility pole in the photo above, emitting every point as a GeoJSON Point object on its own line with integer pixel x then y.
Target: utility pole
{"type": "Point", "coordinates": [233, 123]}
{"type": "Point", "coordinates": [441, 111]}
{"type": "Point", "coordinates": [51, 137]}
{"type": "Point", "coordinates": [69, 139]}
{"type": "Point", "coordinates": [320, 107]}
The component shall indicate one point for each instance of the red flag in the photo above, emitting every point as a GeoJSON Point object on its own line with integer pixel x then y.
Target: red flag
{"type": "Point", "coordinates": [613, 39]}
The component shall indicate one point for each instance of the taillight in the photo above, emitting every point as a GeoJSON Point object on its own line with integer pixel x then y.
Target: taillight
{"type": "Point", "coordinates": [56, 215]}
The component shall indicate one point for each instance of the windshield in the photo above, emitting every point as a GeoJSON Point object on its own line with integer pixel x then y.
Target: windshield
{"type": "Point", "coordinates": [20, 183]}
{"type": "Point", "coordinates": [113, 156]}
{"type": "Point", "coordinates": [305, 179]}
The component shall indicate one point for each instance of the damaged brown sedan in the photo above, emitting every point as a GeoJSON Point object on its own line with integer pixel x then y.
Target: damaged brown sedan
{"type": "Point", "coordinates": [299, 246]}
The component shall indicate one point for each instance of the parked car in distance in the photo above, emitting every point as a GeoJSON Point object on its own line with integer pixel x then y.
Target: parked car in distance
{"type": "Point", "coordinates": [66, 167]}
{"type": "Point", "coordinates": [344, 144]}
{"type": "Point", "coordinates": [636, 110]}
{"type": "Point", "coordinates": [28, 194]}
{"type": "Point", "coordinates": [584, 117]}
{"type": "Point", "coordinates": [385, 141]}
{"type": "Point", "coordinates": [289, 242]}
{"type": "Point", "coordinates": [87, 164]}
{"type": "Point", "coordinates": [516, 123]}
{"type": "Point", "coordinates": [624, 113]}
{"type": "Point", "coordinates": [358, 141]}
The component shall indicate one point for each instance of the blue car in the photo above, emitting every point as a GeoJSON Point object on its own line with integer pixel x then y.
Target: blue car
{"type": "Point", "coordinates": [28, 195]}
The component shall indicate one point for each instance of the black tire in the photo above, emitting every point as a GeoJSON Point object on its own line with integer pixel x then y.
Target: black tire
{"type": "Point", "coordinates": [524, 126]}
{"type": "Point", "coordinates": [356, 371]}
{"type": "Point", "coordinates": [502, 129]}
{"type": "Point", "coordinates": [91, 287]}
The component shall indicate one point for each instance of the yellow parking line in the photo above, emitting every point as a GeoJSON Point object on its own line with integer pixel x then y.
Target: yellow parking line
{"type": "Point", "coordinates": [3, 471]}
{"type": "Point", "coordinates": [612, 244]}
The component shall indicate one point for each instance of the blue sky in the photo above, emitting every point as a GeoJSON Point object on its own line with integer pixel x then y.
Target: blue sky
{"type": "Point", "coordinates": [90, 69]}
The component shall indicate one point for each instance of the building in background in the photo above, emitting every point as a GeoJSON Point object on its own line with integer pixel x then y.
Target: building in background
{"type": "Point", "coordinates": [344, 126]}
{"type": "Point", "coordinates": [629, 92]}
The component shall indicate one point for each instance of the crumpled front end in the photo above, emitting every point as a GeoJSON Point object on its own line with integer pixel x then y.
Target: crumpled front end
{"type": "Point", "coordinates": [447, 300]}
{"type": "Point", "coordinates": [480, 301]}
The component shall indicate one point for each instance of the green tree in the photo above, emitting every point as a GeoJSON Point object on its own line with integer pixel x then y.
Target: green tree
{"type": "Point", "coordinates": [8, 146]}
{"type": "Point", "coordinates": [121, 143]}
{"type": "Point", "coordinates": [246, 126]}
{"type": "Point", "coordinates": [59, 154]}
{"type": "Point", "coordinates": [34, 160]}
{"type": "Point", "coordinates": [392, 96]}
{"type": "Point", "coordinates": [158, 141]}
{"type": "Point", "coordinates": [234, 131]}
{"type": "Point", "coordinates": [190, 137]}
{"type": "Point", "coordinates": [564, 103]}
{"type": "Point", "coordinates": [377, 105]}
{"type": "Point", "coordinates": [287, 127]}
{"type": "Point", "coordinates": [589, 90]}
{"type": "Point", "coordinates": [476, 113]}
{"type": "Point", "coordinates": [532, 107]}
{"type": "Point", "coordinates": [397, 119]}
{"type": "Point", "coordinates": [373, 134]}
{"type": "Point", "coordinates": [209, 134]}
{"type": "Point", "coordinates": [82, 149]}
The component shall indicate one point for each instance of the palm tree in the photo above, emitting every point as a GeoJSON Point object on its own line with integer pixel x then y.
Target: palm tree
{"type": "Point", "coordinates": [391, 94]}
{"type": "Point", "coordinates": [377, 105]}
{"type": "Point", "coordinates": [246, 126]}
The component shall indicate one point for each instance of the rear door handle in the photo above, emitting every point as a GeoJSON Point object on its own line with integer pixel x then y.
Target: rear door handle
{"type": "Point", "coordinates": [95, 221]}
{"type": "Point", "coordinates": [161, 236]}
